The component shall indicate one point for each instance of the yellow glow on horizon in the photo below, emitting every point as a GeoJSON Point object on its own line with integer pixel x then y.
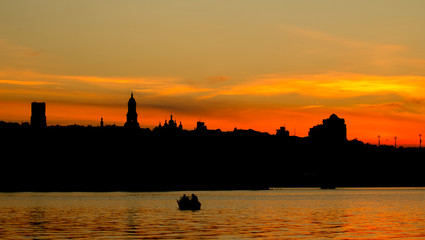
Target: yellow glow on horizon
{"type": "Point", "coordinates": [332, 85]}
{"type": "Point", "coordinates": [108, 96]}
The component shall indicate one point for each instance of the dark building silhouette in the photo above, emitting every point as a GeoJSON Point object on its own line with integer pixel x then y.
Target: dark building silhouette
{"type": "Point", "coordinates": [38, 114]}
{"type": "Point", "coordinates": [172, 124]}
{"type": "Point", "coordinates": [200, 126]}
{"type": "Point", "coordinates": [332, 130]}
{"type": "Point", "coordinates": [170, 127]}
{"type": "Point", "coordinates": [183, 161]}
{"type": "Point", "coordinates": [131, 114]}
{"type": "Point", "coordinates": [282, 132]}
{"type": "Point", "coordinates": [247, 133]}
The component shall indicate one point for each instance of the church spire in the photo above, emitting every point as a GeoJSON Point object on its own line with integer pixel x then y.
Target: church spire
{"type": "Point", "coordinates": [131, 114]}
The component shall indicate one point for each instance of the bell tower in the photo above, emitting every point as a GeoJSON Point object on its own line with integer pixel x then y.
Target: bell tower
{"type": "Point", "coordinates": [131, 114]}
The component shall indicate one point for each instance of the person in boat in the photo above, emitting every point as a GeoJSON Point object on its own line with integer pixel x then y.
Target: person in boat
{"type": "Point", "coordinates": [184, 199]}
{"type": "Point", "coordinates": [194, 198]}
{"type": "Point", "coordinates": [189, 203]}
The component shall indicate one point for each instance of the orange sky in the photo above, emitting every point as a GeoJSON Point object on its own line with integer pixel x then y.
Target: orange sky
{"type": "Point", "coordinates": [243, 63]}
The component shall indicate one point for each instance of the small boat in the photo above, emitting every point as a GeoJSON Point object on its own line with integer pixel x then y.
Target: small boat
{"type": "Point", "coordinates": [189, 203]}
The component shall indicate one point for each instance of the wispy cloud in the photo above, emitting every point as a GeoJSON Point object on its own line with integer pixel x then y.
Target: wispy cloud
{"type": "Point", "coordinates": [336, 40]}
{"type": "Point", "coordinates": [25, 83]}
{"type": "Point", "coordinates": [332, 85]}
{"type": "Point", "coordinates": [12, 50]}
{"type": "Point", "coordinates": [95, 86]}
{"type": "Point", "coordinates": [218, 79]}
{"type": "Point", "coordinates": [329, 85]}
{"type": "Point", "coordinates": [312, 106]}
{"type": "Point", "coordinates": [359, 54]}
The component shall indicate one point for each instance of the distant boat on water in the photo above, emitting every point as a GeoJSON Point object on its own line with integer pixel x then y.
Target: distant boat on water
{"type": "Point", "coordinates": [189, 203]}
{"type": "Point", "coordinates": [327, 187]}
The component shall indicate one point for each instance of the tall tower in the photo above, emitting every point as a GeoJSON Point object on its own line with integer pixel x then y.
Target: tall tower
{"type": "Point", "coordinates": [38, 114]}
{"type": "Point", "coordinates": [131, 114]}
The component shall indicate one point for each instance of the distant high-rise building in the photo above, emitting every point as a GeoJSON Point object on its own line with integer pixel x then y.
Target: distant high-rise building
{"type": "Point", "coordinates": [200, 126]}
{"type": "Point", "coordinates": [282, 132]}
{"type": "Point", "coordinates": [332, 130]}
{"type": "Point", "coordinates": [131, 114]}
{"type": "Point", "coordinates": [38, 114]}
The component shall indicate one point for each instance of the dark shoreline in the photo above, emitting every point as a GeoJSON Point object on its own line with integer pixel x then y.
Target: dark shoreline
{"type": "Point", "coordinates": [69, 159]}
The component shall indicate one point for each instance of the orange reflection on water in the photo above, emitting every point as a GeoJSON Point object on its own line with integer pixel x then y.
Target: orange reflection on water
{"type": "Point", "coordinates": [277, 214]}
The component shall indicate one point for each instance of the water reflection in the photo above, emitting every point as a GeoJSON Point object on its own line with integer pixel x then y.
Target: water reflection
{"type": "Point", "coordinates": [283, 214]}
{"type": "Point", "coordinates": [37, 221]}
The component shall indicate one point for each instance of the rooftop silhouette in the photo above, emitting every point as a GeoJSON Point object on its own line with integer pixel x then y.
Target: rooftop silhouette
{"type": "Point", "coordinates": [333, 130]}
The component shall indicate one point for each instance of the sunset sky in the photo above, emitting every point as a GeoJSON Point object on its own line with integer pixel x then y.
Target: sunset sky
{"type": "Point", "coordinates": [230, 63]}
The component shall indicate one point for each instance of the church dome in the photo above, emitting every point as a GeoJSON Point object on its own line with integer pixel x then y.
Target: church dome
{"type": "Point", "coordinates": [333, 116]}
{"type": "Point", "coordinates": [132, 102]}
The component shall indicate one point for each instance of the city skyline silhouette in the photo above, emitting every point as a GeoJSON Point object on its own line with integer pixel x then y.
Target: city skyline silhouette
{"type": "Point", "coordinates": [287, 118]}
{"type": "Point", "coordinates": [321, 131]}
{"type": "Point", "coordinates": [249, 65]}
{"type": "Point", "coordinates": [170, 158]}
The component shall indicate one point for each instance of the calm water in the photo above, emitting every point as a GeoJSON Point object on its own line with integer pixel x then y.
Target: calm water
{"type": "Point", "coordinates": [283, 214]}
